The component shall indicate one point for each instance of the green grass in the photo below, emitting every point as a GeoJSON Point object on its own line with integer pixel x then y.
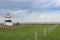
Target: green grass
{"type": "Point", "coordinates": [27, 32]}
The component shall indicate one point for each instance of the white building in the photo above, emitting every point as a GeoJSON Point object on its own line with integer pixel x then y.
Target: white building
{"type": "Point", "coordinates": [8, 20]}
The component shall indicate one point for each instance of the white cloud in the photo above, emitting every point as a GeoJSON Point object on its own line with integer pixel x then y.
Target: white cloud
{"type": "Point", "coordinates": [43, 3]}
{"type": "Point", "coordinates": [35, 16]}
{"type": "Point", "coordinates": [20, 11]}
{"type": "Point", "coordinates": [29, 17]}
{"type": "Point", "coordinates": [57, 3]}
{"type": "Point", "coordinates": [49, 18]}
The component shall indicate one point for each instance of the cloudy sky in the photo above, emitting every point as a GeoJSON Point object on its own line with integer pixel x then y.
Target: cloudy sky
{"type": "Point", "coordinates": [31, 10]}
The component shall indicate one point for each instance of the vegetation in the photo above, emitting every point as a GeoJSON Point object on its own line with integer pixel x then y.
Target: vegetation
{"type": "Point", "coordinates": [27, 32]}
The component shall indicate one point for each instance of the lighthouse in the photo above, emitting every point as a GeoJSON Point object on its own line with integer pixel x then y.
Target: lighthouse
{"type": "Point", "coordinates": [8, 20]}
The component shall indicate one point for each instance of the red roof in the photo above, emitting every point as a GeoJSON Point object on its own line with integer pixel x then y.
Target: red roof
{"type": "Point", "coordinates": [8, 15]}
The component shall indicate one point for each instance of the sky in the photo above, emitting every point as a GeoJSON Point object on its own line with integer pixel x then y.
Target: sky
{"type": "Point", "coordinates": [31, 10]}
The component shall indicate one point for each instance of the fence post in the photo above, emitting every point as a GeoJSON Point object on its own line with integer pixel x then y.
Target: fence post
{"type": "Point", "coordinates": [36, 35]}
{"type": "Point", "coordinates": [44, 32]}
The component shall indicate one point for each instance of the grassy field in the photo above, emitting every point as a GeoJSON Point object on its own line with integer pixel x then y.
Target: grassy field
{"type": "Point", "coordinates": [27, 32]}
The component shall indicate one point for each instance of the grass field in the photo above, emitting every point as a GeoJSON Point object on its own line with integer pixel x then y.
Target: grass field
{"type": "Point", "coordinates": [27, 32]}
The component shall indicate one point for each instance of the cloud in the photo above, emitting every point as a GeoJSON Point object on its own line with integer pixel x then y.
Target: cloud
{"type": "Point", "coordinates": [49, 18]}
{"type": "Point", "coordinates": [57, 3]}
{"type": "Point", "coordinates": [31, 10]}
{"type": "Point", "coordinates": [20, 11]}
{"type": "Point", "coordinates": [43, 3]}
{"type": "Point", "coordinates": [34, 16]}
{"type": "Point", "coordinates": [46, 4]}
{"type": "Point", "coordinates": [30, 4]}
{"type": "Point", "coordinates": [29, 17]}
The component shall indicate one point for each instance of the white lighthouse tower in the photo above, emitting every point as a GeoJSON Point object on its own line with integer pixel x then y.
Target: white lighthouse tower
{"type": "Point", "coordinates": [8, 21]}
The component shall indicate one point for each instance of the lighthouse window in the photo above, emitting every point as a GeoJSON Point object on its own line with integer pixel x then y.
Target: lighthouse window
{"type": "Point", "coordinates": [8, 21]}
